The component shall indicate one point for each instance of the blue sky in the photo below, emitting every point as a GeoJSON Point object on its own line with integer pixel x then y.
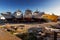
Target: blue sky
{"type": "Point", "coordinates": [48, 6]}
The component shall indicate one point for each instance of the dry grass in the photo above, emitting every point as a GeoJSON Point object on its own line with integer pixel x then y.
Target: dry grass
{"type": "Point", "coordinates": [4, 35]}
{"type": "Point", "coordinates": [27, 26]}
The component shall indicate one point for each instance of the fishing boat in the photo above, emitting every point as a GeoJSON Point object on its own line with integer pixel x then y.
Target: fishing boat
{"type": "Point", "coordinates": [8, 17]}
{"type": "Point", "coordinates": [18, 16]}
{"type": "Point", "coordinates": [28, 15]}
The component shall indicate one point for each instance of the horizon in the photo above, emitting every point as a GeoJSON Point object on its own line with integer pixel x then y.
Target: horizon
{"type": "Point", "coordinates": [48, 6]}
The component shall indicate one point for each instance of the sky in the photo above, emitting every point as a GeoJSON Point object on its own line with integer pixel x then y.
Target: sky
{"type": "Point", "coordinates": [47, 6]}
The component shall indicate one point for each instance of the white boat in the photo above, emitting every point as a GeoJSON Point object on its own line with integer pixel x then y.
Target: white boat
{"type": "Point", "coordinates": [7, 15]}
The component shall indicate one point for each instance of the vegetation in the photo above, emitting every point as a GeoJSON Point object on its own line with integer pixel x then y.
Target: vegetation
{"type": "Point", "coordinates": [27, 36]}
{"type": "Point", "coordinates": [53, 27]}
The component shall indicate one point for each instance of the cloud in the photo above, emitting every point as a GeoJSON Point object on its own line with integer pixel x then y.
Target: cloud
{"type": "Point", "coordinates": [55, 10]}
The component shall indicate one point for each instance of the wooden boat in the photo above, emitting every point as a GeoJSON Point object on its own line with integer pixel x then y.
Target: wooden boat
{"type": "Point", "coordinates": [37, 16]}
{"type": "Point", "coordinates": [18, 16]}
{"type": "Point", "coordinates": [28, 15]}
